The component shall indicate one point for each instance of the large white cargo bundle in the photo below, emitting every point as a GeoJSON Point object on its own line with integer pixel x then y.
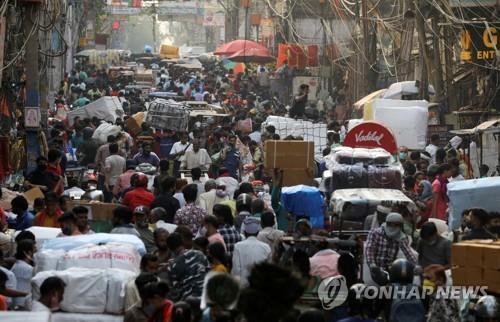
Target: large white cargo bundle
{"type": "Point", "coordinates": [89, 290]}
{"type": "Point", "coordinates": [406, 119]}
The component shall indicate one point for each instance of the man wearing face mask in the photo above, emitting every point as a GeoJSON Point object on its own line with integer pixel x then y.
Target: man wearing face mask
{"type": "Point", "coordinates": [432, 248]}
{"type": "Point", "coordinates": [403, 154]}
{"type": "Point", "coordinates": [141, 214]}
{"type": "Point", "coordinates": [383, 245]}
{"type": "Point", "coordinates": [51, 295]}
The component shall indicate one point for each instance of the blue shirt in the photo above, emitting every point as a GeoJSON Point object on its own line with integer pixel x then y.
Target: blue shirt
{"type": "Point", "coordinates": [232, 162]}
{"type": "Point", "coordinates": [23, 222]}
{"type": "Point", "coordinates": [152, 159]}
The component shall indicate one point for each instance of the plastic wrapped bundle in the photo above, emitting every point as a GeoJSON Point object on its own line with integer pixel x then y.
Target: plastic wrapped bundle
{"type": "Point", "coordinates": [69, 243]}
{"type": "Point", "coordinates": [309, 131]}
{"type": "Point", "coordinates": [304, 201]}
{"type": "Point", "coordinates": [466, 194]}
{"type": "Point", "coordinates": [347, 176]}
{"type": "Point", "coordinates": [361, 156]}
{"type": "Point", "coordinates": [93, 291]}
{"type": "Point", "coordinates": [85, 290]}
{"type": "Point", "coordinates": [384, 177]}
{"type": "Point", "coordinates": [111, 255]}
{"type": "Point", "coordinates": [167, 114]}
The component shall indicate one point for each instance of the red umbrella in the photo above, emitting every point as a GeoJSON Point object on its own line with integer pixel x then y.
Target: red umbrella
{"type": "Point", "coordinates": [252, 55]}
{"type": "Point", "coordinates": [234, 46]}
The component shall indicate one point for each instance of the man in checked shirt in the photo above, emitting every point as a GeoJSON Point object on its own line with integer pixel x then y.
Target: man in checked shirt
{"type": "Point", "coordinates": [383, 245]}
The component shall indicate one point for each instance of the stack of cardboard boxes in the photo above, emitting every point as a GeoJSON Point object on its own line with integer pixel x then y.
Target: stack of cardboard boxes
{"type": "Point", "coordinates": [295, 158]}
{"type": "Point", "coordinates": [476, 263]}
{"type": "Point", "coordinates": [98, 211]}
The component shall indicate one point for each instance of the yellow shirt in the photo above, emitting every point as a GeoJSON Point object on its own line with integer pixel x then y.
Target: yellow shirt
{"type": "Point", "coordinates": [219, 268]}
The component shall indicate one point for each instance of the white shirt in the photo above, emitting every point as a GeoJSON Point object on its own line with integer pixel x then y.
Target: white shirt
{"type": "Point", "coordinates": [209, 199]}
{"type": "Point", "coordinates": [231, 185]}
{"type": "Point", "coordinates": [114, 166]}
{"type": "Point", "coordinates": [246, 254]}
{"type": "Point", "coordinates": [10, 284]}
{"type": "Point", "coordinates": [179, 147]}
{"type": "Point", "coordinates": [24, 273]}
{"type": "Point", "coordinates": [201, 188]}
{"type": "Point", "coordinates": [199, 159]}
{"type": "Point", "coordinates": [180, 197]}
{"type": "Point", "coordinates": [168, 227]}
{"type": "Point", "coordinates": [457, 178]}
{"type": "Point", "coordinates": [255, 136]}
{"type": "Point", "coordinates": [432, 149]}
{"type": "Point", "coordinates": [37, 306]}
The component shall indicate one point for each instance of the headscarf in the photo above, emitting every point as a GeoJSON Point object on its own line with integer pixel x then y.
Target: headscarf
{"type": "Point", "coordinates": [426, 190]}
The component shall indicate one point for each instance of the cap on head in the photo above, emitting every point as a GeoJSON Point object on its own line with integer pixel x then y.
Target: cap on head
{"type": "Point", "coordinates": [383, 209]}
{"type": "Point", "coordinates": [244, 199]}
{"type": "Point", "coordinates": [141, 210]}
{"type": "Point", "coordinates": [252, 225]}
{"type": "Point", "coordinates": [394, 217]}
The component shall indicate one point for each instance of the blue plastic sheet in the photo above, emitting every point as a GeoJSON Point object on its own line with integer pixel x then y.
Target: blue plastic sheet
{"type": "Point", "coordinates": [481, 193]}
{"type": "Point", "coordinates": [69, 243]}
{"type": "Point", "coordinates": [304, 201]}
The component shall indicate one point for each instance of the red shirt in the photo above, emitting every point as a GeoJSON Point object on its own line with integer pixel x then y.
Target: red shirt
{"type": "Point", "coordinates": [54, 169]}
{"type": "Point", "coordinates": [138, 197]}
{"type": "Point", "coordinates": [42, 219]}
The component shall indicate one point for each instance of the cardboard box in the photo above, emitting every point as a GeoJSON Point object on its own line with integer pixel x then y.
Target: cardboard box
{"type": "Point", "coordinates": [97, 211]}
{"type": "Point", "coordinates": [33, 194]}
{"type": "Point", "coordinates": [458, 251]}
{"type": "Point", "coordinates": [134, 123]}
{"type": "Point", "coordinates": [474, 255]}
{"type": "Point", "coordinates": [491, 256]}
{"type": "Point", "coordinates": [467, 276]}
{"type": "Point", "coordinates": [491, 278]}
{"type": "Point", "coordinates": [294, 177]}
{"type": "Point", "coordinates": [288, 154]}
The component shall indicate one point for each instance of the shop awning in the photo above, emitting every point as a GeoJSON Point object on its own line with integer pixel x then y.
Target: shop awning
{"type": "Point", "coordinates": [491, 125]}
{"type": "Point", "coordinates": [359, 104]}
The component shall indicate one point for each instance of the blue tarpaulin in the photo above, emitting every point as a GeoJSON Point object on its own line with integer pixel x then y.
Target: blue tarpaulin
{"type": "Point", "coordinates": [304, 201]}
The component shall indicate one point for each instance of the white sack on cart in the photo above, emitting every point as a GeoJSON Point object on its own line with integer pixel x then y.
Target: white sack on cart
{"type": "Point", "coordinates": [69, 243]}
{"type": "Point", "coordinates": [46, 260]}
{"type": "Point", "coordinates": [85, 291]}
{"type": "Point", "coordinates": [111, 255]}
{"type": "Point", "coordinates": [117, 287]}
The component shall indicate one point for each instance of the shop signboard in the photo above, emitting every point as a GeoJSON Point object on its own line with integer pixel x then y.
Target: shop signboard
{"type": "Point", "coordinates": [370, 135]}
{"type": "Point", "coordinates": [479, 42]}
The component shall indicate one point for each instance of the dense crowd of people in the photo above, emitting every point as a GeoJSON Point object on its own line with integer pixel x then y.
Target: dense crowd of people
{"type": "Point", "coordinates": [211, 219]}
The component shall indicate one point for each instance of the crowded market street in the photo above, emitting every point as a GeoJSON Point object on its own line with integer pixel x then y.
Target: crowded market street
{"type": "Point", "coordinates": [249, 160]}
